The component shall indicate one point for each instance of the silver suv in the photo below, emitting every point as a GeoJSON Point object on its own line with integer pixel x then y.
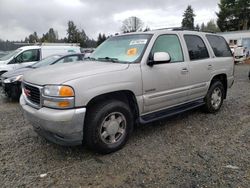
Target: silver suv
{"type": "Point", "coordinates": [138, 77]}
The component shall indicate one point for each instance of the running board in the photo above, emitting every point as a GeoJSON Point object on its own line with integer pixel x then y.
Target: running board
{"type": "Point", "coordinates": [155, 116]}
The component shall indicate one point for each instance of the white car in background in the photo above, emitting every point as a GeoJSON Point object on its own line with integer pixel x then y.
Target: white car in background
{"type": "Point", "coordinates": [28, 55]}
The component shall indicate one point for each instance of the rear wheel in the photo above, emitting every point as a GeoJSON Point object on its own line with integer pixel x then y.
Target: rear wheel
{"type": "Point", "coordinates": [108, 126]}
{"type": "Point", "coordinates": [214, 98]}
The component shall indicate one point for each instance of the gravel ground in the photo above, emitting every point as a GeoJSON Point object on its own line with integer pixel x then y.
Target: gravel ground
{"type": "Point", "coordinates": [193, 149]}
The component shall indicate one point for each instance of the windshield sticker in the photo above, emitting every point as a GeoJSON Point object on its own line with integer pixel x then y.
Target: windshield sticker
{"type": "Point", "coordinates": [138, 42]}
{"type": "Point", "coordinates": [132, 52]}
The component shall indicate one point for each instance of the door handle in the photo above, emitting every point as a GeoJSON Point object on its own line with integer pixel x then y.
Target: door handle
{"type": "Point", "coordinates": [184, 71]}
{"type": "Point", "coordinates": [209, 67]}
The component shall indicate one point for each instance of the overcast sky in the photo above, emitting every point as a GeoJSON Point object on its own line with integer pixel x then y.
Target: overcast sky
{"type": "Point", "coordinates": [19, 18]}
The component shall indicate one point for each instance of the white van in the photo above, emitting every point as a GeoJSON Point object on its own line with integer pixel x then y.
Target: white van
{"type": "Point", "coordinates": [28, 55]}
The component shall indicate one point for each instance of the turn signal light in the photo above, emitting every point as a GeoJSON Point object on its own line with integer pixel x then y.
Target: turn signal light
{"type": "Point", "coordinates": [66, 91]}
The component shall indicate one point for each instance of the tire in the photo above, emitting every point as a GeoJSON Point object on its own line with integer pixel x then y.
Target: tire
{"type": "Point", "coordinates": [108, 126]}
{"type": "Point", "coordinates": [15, 93]}
{"type": "Point", "coordinates": [214, 98]}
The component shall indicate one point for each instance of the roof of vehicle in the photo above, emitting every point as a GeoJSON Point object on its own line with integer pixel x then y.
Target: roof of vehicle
{"type": "Point", "coordinates": [170, 31]}
{"type": "Point", "coordinates": [29, 47]}
{"type": "Point", "coordinates": [52, 47]}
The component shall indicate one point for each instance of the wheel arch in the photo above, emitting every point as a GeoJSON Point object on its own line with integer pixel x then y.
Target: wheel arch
{"type": "Point", "coordinates": [223, 79]}
{"type": "Point", "coordinates": [126, 96]}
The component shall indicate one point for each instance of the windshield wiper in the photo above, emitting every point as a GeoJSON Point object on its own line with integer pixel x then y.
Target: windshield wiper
{"type": "Point", "coordinates": [110, 59]}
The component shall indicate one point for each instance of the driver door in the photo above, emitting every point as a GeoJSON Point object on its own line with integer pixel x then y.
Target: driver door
{"type": "Point", "coordinates": [165, 85]}
{"type": "Point", "coordinates": [27, 58]}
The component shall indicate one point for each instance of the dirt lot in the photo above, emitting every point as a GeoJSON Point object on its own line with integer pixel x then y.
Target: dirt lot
{"type": "Point", "coordinates": [191, 150]}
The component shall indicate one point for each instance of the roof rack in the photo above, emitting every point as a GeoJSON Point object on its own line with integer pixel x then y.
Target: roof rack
{"type": "Point", "coordinates": [178, 29]}
{"type": "Point", "coordinates": [57, 44]}
{"type": "Point", "coordinates": [47, 44]}
{"type": "Point", "coordinates": [184, 29]}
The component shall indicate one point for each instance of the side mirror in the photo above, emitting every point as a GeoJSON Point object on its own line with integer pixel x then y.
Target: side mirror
{"type": "Point", "coordinates": [159, 58]}
{"type": "Point", "coordinates": [162, 57]}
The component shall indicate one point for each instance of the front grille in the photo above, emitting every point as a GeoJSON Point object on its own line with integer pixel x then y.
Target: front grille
{"type": "Point", "coordinates": [32, 93]}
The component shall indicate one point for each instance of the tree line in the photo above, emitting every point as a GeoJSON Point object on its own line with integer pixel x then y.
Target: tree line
{"type": "Point", "coordinates": [74, 35]}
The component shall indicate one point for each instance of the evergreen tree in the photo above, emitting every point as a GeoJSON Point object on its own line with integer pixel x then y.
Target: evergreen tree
{"type": "Point", "coordinates": [234, 15]}
{"type": "Point", "coordinates": [101, 38]}
{"type": "Point", "coordinates": [243, 10]}
{"type": "Point", "coordinates": [33, 38]}
{"type": "Point", "coordinates": [188, 18]}
{"type": "Point", "coordinates": [72, 32]}
{"type": "Point", "coordinates": [211, 27]}
{"type": "Point", "coordinates": [50, 36]}
{"type": "Point", "coordinates": [83, 38]}
{"type": "Point", "coordinates": [203, 27]}
{"type": "Point", "coordinates": [197, 27]}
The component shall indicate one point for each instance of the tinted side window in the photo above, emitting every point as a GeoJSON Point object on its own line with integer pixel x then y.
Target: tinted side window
{"type": "Point", "coordinates": [196, 47]}
{"type": "Point", "coordinates": [169, 44]}
{"type": "Point", "coordinates": [28, 56]}
{"type": "Point", "coordinates": [219, 46]}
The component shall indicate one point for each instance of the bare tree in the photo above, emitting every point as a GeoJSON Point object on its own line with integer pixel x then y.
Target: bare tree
{"type": "Point", "coordinates": [132, 24]}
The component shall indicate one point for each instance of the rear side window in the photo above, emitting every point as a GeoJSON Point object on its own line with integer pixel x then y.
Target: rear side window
{"type": "Point", "coordinates": [171, 45]}
{"type": "Point", "coordinates": [196, 47]}
{"type": "Point", "coordinates": [219, 46]}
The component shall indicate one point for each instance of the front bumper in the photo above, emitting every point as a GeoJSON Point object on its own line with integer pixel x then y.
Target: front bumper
{"type": "Point", "coordinates": [63, 127]}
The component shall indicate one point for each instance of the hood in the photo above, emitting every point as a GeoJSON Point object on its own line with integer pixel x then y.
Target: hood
{"type": "Point", "coordinates": [2, 62]}
{"type": "Point", "coordinates": [16, 72]}
{"type": "Point", "coordinates": [61, 73]}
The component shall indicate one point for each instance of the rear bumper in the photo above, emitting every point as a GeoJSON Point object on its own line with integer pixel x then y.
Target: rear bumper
{"type": "Point", "coordinates": [63, 127]}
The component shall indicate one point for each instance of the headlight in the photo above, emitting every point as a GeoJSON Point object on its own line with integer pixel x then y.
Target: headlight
{"type": "Point", "coordinates": [13, 79]}
{"type": "Point", "coordinates": [58, 96]}
{"type": "Point", "coordinates": [58, 91]}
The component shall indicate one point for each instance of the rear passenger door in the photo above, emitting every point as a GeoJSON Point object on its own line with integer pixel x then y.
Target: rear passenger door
{"type": "Point", "coordinates": [223, 61]}
{"type": "Point", "coordinates": [200, 66]}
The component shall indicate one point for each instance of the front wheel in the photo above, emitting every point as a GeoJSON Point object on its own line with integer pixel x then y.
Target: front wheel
{"type": "Point", "coordinates": [108, 126]}
{"type": "Point", "coordinates": [214, 98]}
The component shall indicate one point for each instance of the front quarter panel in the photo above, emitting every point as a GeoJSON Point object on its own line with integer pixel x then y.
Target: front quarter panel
{"type": "Point", "coordinates": [89, 87]}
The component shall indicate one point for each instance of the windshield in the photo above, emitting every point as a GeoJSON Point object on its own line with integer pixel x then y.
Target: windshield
{"type": "Point", "coordinates": [122, 49]}
{"type": "Point", "coordinates": [47, 61]}
{"type": "Point", "coordinates": [10, 55]}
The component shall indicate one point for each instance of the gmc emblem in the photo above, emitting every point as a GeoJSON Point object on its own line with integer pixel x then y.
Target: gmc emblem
{"type": "Point", "coordinates": [26, 92]}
